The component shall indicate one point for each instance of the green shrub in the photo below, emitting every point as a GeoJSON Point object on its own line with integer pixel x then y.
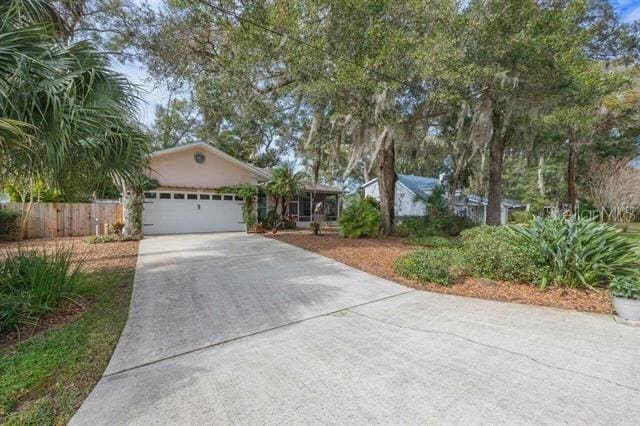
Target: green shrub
{"type": "Point", "coordinates": [360, 218]}
{"type": "Point", "coordinates": [626, 286]}
{"type": "Point", "coordinates": [453, 225]}
{"type": "Point", "coordinates": [493, 252]}
{"type": "Point", "coordinates": [271, 220]}
{"type": "Point", "coordinates": [520, 217]}
{"type": "Point", "coordinates": [443, 226]}
{"type": "Point", "coordinates": [415, 227]}
{"type": "Point", "coordinates": [33, 283]}
{"type": "Point", "coordinates": [439, 266]}
{"type": "Point", "coordinates": [579, 252]}
{"type": "Point", "coordinates": [8, 224]}
{"type": "Point", "coordinates": [433, 242]}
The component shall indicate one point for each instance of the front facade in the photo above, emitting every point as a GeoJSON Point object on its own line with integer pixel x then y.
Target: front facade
{"type": "Point", "coordinates": [188, 198]}
{"type": "Point", "coordinates": [412, 193]}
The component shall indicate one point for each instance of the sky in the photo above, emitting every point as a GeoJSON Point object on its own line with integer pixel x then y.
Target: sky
{"type": "Point", "coordinates": [153, 94]}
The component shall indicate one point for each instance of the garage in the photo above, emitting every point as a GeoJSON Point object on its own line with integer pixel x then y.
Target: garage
{"type": "Point", "coordinates": [170, 212]}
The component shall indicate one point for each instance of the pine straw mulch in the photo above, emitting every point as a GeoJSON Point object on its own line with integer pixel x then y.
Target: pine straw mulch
{"type": "Point", "coordinates": [377, 256]}
{"type": "Point", "coordinates": [107, 257]}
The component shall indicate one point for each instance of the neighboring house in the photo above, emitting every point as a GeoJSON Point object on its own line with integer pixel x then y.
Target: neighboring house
{"type": "Point", "coordinates": [187, 198]}
{"type": "Point", "coordinates": [412, 193]}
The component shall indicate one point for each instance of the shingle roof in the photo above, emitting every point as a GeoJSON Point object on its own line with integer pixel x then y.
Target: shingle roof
{"type": "Point", "coordinates": [419, 185]}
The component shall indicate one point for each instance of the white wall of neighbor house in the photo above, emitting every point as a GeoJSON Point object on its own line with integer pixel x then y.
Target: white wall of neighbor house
{"type": "Point", "coordinates": [179, 169]}
{"type": "Point", "coordinates": [406, 202]}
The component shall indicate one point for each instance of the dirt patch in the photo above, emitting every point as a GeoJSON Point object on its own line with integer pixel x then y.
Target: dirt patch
{"type": "Point", "coordinates": [64, 314]}
{"type": "Point", "coordinates": [377, 256]}
{"type": "Point", "coordinates": [119, 256]}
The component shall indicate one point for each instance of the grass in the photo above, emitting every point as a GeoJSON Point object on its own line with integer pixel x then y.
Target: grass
{"type": "Point", "coordinates": [633, 233]}
{"type": "Point", "coordinates": [45, 379]}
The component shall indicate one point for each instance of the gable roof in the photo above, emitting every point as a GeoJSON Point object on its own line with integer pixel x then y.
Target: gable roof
{"type": "Point", "coordinates": [421, 186]}
{"type": "Point", "coordinates": [204, 146]}
{"type": "Point", "coordinates": [261, 173]}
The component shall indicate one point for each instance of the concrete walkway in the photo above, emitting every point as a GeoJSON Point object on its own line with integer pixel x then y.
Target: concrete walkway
{"type": "Point", "coordinates": [237, 329]}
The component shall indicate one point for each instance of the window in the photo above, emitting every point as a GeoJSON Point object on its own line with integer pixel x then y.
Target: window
{"type": "Point", "coordinates": [216, 197]}
{"type": "Point", "coordinates": [293, 208]}
{"type": "Point", "coordinates": [178, 196]}
{"type": "Point", "coordinates": [199, 157]}
{"type": "Point", "coordinates": [205, 196]}
{"type": "Point", "coordinates": [228, 198]}
{"type": "Point", "coordinates": [150, 195]}
{"type": "Point", "coordinates": [306, 205]}
{"type": "Point", "coordinates": [262, 207]}
{"type": "Point", "coordinates": [239, 198]}
{"type": "Point", "coordinates": [192, 196]}
{"type": "Point", "coordinates": [331, 207]}
{"type": "Point", "coordinates": [165, 195]}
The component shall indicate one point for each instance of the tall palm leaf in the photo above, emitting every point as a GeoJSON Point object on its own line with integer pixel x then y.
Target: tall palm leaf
{"type": "Point", "coordinates": [64, 115]}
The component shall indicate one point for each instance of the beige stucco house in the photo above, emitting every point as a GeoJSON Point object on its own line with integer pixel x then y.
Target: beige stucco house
{"type": "Point", "coordinates": [187, 199]}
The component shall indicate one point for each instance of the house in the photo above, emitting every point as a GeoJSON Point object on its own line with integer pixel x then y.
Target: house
{"type": "Point", "coordinates": [187, 199]}
{"type": "Point", "coordinates": [412, 193]}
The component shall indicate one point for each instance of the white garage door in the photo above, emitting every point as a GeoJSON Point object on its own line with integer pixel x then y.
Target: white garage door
{"type": "Point", "coordinates": [184, 212]}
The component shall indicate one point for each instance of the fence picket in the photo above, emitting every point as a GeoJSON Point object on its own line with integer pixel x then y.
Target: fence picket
{"type": "Point", "coordinates": [68, 219]}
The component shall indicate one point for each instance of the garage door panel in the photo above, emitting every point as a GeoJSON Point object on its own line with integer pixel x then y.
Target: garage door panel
{"type": "Point", "coordinates": [177, 216]}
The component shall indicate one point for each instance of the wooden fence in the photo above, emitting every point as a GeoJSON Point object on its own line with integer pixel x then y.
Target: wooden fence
{"type": "Point", "coordinates": [49, 220]}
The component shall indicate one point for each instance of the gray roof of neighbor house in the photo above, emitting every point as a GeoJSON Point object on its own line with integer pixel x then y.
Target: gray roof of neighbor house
{"type": "Point", "coordinates": [419, 185]}
{"type": "Point", "coordinates": [422, 186]}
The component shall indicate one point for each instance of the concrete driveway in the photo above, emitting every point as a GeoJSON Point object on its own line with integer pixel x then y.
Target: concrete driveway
{"type": "Point", "coordinates": [238, 329]}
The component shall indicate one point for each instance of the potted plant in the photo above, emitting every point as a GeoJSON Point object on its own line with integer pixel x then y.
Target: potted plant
{"type": "Point", "coordinates": [625, 295]}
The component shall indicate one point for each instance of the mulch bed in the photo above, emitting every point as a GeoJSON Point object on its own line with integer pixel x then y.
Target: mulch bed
{"type": "Point", "coordinates": [107, 257]}
{"type": "Point", "coordinates": [377, 256]}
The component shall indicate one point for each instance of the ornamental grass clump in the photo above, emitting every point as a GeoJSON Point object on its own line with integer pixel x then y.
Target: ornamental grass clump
{"type": "Point", "coordinates": [579, 252]}
{"type": "Point", "coordinates": [33, 283]}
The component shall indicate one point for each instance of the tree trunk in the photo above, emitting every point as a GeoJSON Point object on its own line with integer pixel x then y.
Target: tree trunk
{"type": "Point", "coordinates": [572, 158]}
{"type": "Point", "coordinates": [387, 182]}
{"type": "Point", "coordinates": [496, 154]}
{"type": "Point", "coordinates": [541, 185]}
{"type": "Point", "coordinates": [452, 186]}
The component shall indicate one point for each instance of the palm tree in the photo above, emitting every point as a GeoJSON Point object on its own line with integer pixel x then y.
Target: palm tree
{"type": "Point", "coordinates": [284, 184]}
{"type": "Point", "coordinates": [65, 117]}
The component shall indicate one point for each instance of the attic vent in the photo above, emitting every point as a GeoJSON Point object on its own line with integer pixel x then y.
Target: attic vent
{"type": "Point", "coordinates": [199, 157]}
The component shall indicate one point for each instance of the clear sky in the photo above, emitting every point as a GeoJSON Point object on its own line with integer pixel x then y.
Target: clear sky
{"type": "Point", "coordinates": [153, 94]}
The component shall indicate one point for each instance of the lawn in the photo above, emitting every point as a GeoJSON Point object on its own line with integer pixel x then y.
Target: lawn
{"type": "Point", "coordinates": [377, 256]}
{"type": "Point", "coordinates": [46, 377]}
{"type": "Point", "coordinates": [633, 232]}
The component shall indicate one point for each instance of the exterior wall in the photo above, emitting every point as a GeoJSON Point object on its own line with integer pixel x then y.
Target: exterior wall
{"type": "Point", "coordinates": [180, 170]}
{"type": "Point", "coordinates": [406, 202]}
